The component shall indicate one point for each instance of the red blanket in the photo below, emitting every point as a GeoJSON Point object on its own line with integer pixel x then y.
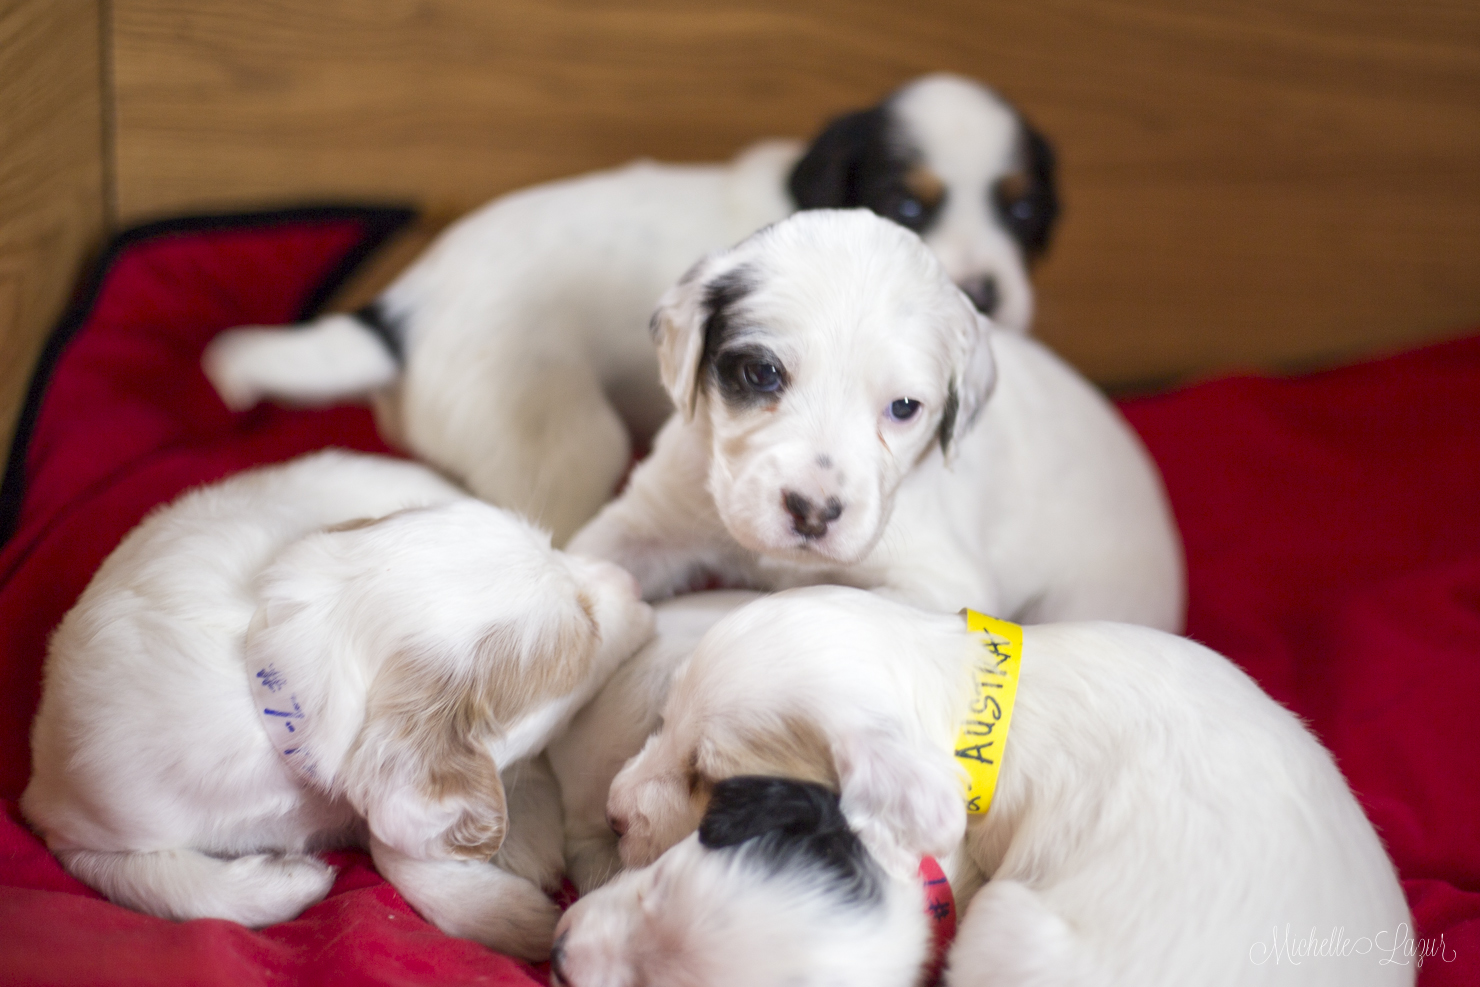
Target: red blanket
{"type": "Point", "coordinates": [1331, 526]}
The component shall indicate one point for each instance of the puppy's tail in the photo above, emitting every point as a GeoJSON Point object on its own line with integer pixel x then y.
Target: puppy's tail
{"type": "Point", "coordinates": [262, 889]}
{"type": "Point", "coordinates": [331, 359]}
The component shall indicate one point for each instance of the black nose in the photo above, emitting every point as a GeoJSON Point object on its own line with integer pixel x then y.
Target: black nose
{"type": "Point", "coordinates": [557, 956]}
{"type": "Point", "coordinates": [983, 293]}
{"type": "Point", "coordinates": [808, 519]}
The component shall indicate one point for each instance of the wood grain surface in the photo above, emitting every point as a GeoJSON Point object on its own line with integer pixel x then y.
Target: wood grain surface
{"type": "Point", "coordinates": [51, 175]}
{"type": "Point", "coordinates": [1247, 184]}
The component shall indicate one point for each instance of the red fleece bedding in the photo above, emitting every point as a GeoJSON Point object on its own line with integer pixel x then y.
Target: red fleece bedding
{"type": "Point", "coordinates": [1332, 526]}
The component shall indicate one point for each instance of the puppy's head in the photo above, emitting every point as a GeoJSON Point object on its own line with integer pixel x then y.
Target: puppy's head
{"type": "Point", "coordinates": [773, 888]}
{"type": "Point", "coordinates": [449, 642]}
{"type": "Point", "coordinates": [800, 685]}
{"type": "Point", "coordinates": [948, 158]}
{"type": "Point", "coordinates": [827, 354]}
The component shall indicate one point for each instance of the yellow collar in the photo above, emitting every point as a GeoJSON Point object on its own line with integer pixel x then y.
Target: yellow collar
{"type": "Point", "coordinates": [983, 736]}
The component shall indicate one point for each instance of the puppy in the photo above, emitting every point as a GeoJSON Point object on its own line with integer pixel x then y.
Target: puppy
{"type": "Point", "coordinates": [1156, 817]}
{"type": "Point", "coordinates": [513, 353]}
{"type": "Point", "coordinates": [262, 669]}
{"type": "Point", "coordinates": [614, 725]}
{"type": "Point", "coordinates": [834, 426]}
{"type": "Point", "coordinates": [774, 888]}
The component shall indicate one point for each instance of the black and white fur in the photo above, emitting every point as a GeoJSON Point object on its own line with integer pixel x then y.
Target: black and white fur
{"type": "Point", "coordinates": [1158, 819]}
{"type": "Point", "coordinates": [513, 354]}
{"type": "Point", "coordinates": [614, 725]}
{"type": "Point", "coordinates": [773, 888]}
{"type": "Point", "coordinates": [847, 416]}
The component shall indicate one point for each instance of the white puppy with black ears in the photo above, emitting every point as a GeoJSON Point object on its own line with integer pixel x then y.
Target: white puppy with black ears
{"type": "Point", "coordinates": [342, 650]}
{"type": "Point", "coordinates": [847, 416]}
{"type": "Point", "coordinates": [514, 354]}
{"type": "Point", "coordinates": [1157, 818]}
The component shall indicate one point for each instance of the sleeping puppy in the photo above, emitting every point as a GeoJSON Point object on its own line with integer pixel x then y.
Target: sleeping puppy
{"type": "Point", "coordinates": [514, 355]}
{"type": "Point", "coordinates": [774, 888]}
{"type": "Point", "coordinates": [614, 725]}
{"type": "Point", "coordinates": [341, 650]}
{"type": "Point", "coordinates": [834, 426]}
{"type": "Point", "coordinates": [1156, 815]}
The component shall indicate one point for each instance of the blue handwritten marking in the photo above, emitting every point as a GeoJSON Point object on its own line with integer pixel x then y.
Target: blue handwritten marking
{"type": "Point", "coordinates": [272, 679]}
{"type": "Point", "coordinates": [939, 909]}
{"type": "Point", "coordinates": [296, 713]}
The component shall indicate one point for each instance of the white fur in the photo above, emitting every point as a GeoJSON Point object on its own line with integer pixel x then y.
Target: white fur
{"type": "Point", "coordinates": [698, 917]}
{"type": "Point", "coordinates": [1043, 505]}
{"type": "Point", "coordinates": [154, 778]}
{"type": "Point", "coordinates": [526, 346]}
{"type": "Point", "coordinates": [613, 726]}
{"type": "Point", "coordinates": [1158, 818]}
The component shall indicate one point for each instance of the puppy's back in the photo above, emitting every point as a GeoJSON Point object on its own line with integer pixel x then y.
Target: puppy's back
{"type": "Point", "coordinates": [1182, 813]}
{"type": "Point", "coordinates": [146, 668]}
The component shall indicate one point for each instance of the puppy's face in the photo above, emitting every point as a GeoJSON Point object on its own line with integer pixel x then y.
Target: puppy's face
{"type": "Point", "coordinates": [799, 684]}
{"type": "Point", "coordinates": [774, 888]}
{"type": "Point", "coordinates": [949, 159]}
{"type": "Point", "coordinates": [828, 355]}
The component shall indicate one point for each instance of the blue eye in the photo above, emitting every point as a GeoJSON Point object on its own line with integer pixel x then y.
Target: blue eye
{"type": "Point", "coordinates": [761, 376]}
{"type": "Point", "coordinates": [910, 209]}
{"type": "Point", "coordinates": [904, 409]}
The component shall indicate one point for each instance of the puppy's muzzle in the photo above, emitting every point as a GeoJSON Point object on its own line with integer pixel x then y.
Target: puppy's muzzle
{"type": "Point", "coordinates": [810, 519]}
{"type": "Point", "coordinates": [983, 293]}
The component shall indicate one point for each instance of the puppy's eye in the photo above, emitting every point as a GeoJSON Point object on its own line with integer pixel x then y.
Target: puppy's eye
{"type": "Point", "coordinates": [903, 409]}
{"type": "Point", "coordinates": [909, 209]}
{"type": "Point", "coordinates": [760, 376]}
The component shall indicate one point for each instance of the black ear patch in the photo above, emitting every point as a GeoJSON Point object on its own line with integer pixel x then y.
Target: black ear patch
{"type": "Point", "coordinates": [826, 176]}
{"type": "Point", "coordinates": [720, 298]}
{"type": "Point", "coordinates": [863, 160]}
{"type": "Point", "coordinates": [1027, 204]}
{"type": "Point", "coordinates": [784, 824]}
{"type": "Point", "coordinates": [948, 417]}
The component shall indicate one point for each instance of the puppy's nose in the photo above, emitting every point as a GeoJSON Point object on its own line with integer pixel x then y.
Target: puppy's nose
{"type": "Point", "coordinates": [617, 824]}
{"type": "Point", "coordinates": [810, 519]}
{"type": "Point", "coordinates": [983, 293]}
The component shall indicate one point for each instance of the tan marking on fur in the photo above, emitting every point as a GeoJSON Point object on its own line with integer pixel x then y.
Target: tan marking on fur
{"type": "Point", "coordinates": [353, 525]}
{"type": "Point", "coordinates": [925, 185]}
{"type": "Point", "coordinates": [563, 661]}
{"type": "Point", "coordinates": [440, 724]}
{"type": "Point", "coordinates": [1011, 187]}
{"type": "Point", "coordinates": [440, 716]}
{"type": "Point", "coordinates": [789, 747]}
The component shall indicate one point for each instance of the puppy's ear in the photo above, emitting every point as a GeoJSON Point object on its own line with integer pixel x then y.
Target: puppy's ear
{"type": "Point", "coordinates": [826, 176]}
{"type": "Point", "coordinates": [690, 322]}
{"type": "Point", "coordinates": [420, 770]}
{"type": "Point", "coordinates": [903, 799]}
{"type": "Point", "coordinates": [973, 374]}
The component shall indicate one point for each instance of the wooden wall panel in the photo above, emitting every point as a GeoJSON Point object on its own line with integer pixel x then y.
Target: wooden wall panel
{"type": "Point", "coordinates": [1247, 182]}
{"type": "Point", "coordinates": [51, 175]}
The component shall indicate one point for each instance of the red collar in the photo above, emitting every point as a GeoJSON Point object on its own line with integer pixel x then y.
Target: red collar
{"type": "Point", "coordinates": [940, 906]}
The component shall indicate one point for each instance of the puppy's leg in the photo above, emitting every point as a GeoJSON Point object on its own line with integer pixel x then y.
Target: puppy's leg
{"type": "Point", "coordinates": [1009, 937]}
{"type": "Point", "coordinates": [474, 900]}
{"type": "Point", "coordinates": [531, 849]}
{"type": "Point", "coordinates": [327, 360]}
{"type": "Point", "coordinates": [257, 890]}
